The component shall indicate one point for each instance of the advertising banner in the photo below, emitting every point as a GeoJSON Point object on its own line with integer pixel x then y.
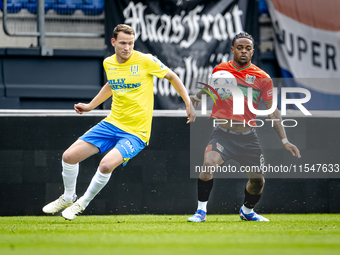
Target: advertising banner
{"type": "Point", "coordinates": [307, 45]}
{"type": "Point", "coordinates": [190, 37]}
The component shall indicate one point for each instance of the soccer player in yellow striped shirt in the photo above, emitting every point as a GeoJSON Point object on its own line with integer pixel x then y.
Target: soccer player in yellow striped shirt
{"type": "Point", "coordinates": [126, 130]}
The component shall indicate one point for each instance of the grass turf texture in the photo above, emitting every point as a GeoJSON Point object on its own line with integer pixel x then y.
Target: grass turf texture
{"type": "Point", "coordinates": [170, 234]}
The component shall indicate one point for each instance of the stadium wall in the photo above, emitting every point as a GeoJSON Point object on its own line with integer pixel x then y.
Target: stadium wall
{"type": "Point", "coordinates": [31, 81]}
{"type": "Point", "coordinates": [158, 180]}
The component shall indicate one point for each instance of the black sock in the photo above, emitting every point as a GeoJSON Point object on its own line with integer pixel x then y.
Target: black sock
{"type": "Point", "coordinates": [250, 200]}
{"type": "Point", "coordinates": [204, 188]}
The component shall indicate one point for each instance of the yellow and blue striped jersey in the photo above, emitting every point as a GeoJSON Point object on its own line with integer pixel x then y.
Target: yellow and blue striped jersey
{"type": "Point", "coordinates": [132, 92]}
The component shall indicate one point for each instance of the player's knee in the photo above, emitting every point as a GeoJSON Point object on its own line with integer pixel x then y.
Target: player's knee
{"type": "Point", "coordinates": [106, 167]}
{"type": "Point", "coordinates": [68, 157]}
{"type": "Point", "coordinates": [209, 162]}
{"type": "Point", "coordinates": [209, 165]}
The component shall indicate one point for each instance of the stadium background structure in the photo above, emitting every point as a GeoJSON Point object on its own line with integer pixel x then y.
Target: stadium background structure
{"type": "Point", "coordinates": [159, 183]}
{"type": "Point", "coordinates": [158, 180]}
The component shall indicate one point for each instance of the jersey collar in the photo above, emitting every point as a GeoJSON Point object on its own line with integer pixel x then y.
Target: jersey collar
{"type": "Point", "coordinates": [242, 67]}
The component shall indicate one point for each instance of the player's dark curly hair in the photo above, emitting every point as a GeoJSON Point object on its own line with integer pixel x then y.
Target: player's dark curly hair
{"type": "Point", "coordinates": [243, 35]}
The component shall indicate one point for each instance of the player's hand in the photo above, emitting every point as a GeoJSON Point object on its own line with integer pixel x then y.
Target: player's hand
{"type": "Point", "coordinates": [191, 113]}
{"type": "Point", "coordinates": [81, 108]}
{"type": "Point", "coordinates": [194, 102]}
{"type": "Point", "coordinates": [292, 149]}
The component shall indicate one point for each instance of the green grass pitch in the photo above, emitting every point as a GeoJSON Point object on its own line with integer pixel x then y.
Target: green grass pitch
{"type": "Point", "coordinates": [171, 234]}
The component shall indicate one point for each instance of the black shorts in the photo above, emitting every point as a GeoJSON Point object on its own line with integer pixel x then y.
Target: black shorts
{"type": "Point", "coordinates": [243, 148]}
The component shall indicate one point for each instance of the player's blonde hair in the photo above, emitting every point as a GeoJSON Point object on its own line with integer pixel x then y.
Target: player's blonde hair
{"type": "Point", "coordinates": [123, 28]}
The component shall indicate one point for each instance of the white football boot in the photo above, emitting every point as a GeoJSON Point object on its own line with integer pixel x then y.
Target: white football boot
{"type": "Point", "coordinates": [58, 205]}
{"type": "Point", "coordinates": [70, 213]}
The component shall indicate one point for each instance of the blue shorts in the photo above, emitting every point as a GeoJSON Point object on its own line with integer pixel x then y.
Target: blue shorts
{"type": "Point", "coordinates": [106, 136]}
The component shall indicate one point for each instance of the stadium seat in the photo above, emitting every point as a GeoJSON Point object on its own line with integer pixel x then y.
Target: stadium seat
{"type": "Point", "coordinates": [65, 7]}
{"type": "Point", "coordinates": [13, 6]}
{"type": "Point", "coordinates": [62, 7]}
{"type": "Point", "coordinates": [78, 3]}
{"type": "Point", "coordinates": [32, 5]}
{"type": "Point", "coordinates": [263, 8]}
{"type": "Point", "coordinates": [23, 3]}
{"type": "Point", "coordinates": [93, 7]}
{"type": "Point", "coordinates": [51, 3]}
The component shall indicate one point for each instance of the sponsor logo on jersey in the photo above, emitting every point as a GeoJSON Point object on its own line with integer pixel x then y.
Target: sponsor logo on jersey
{"type": "Point", "coordinates": [270, 93]}
{"type": "Point", "coordinates": [261, 161]}
{"type": "Point", "coordinates": [134, 69]}
{"type": "Point", "coordinates": [130, 146]}
{"type": "Point", "coordinates": [250, 79]}
{"type": "Point", "coordinates": [117, 84]}
{"type": "Point", "coordinates": [116, 81]}
{"type": "Point", "coordinates": [219, 147]}
{"type": "Point", "coordinates": [161, 65]}
{"type": "Point", "coordinates": [125, 86]}
{"type": "Point", "coordinates": [124, 149]}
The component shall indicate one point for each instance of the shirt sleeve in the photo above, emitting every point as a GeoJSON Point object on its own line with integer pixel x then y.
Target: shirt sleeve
{"type": "Point", "coordinates": [267, 92]}
{"type": "Point", "coordinates": [105, 65]}
{"type": "Point", "coordinates": [220, 67]}
{"type": "Point", "coordinates": [156, 67]}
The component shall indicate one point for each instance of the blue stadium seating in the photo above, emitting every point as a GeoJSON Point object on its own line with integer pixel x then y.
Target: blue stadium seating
{"type": "Point", "coordinates": [65, 7]}
{"type": "Point", "coordinates": [62, 7]}
{"type": "Point", "coordinates": [51, 2]}
{"type": "Point", "coordinates": [13, 6]}
{"type": "Point", "coordinates": [77, 3]}
{"type": "Point", "coordinates": [89, 7]}
{"type": "Point", "coordinates": [32, 5]}
{"type": "Point", "coordinates": [23, 3]}
{"type": "Point", "coordinates": [93, 7]}
{"type": "Point", "coordinates": [263, 8]}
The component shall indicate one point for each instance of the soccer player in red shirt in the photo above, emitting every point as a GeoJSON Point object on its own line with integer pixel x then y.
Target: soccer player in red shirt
{"type": "Point", "coordinates": [239, 142]}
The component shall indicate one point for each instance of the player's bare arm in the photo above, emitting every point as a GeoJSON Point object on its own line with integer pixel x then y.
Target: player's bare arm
{"type": "Point", "coordinates": [103, 95]}
{"type": "Point", "coordinates": [196, 99]}
{"type": "Point", "coordinates": [178, 85]}
{"type": "Point", "coordinates": [280, 130]}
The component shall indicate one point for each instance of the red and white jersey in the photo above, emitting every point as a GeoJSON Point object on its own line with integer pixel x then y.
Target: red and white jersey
{"type": "Point", "coordinates": [246, 76]}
